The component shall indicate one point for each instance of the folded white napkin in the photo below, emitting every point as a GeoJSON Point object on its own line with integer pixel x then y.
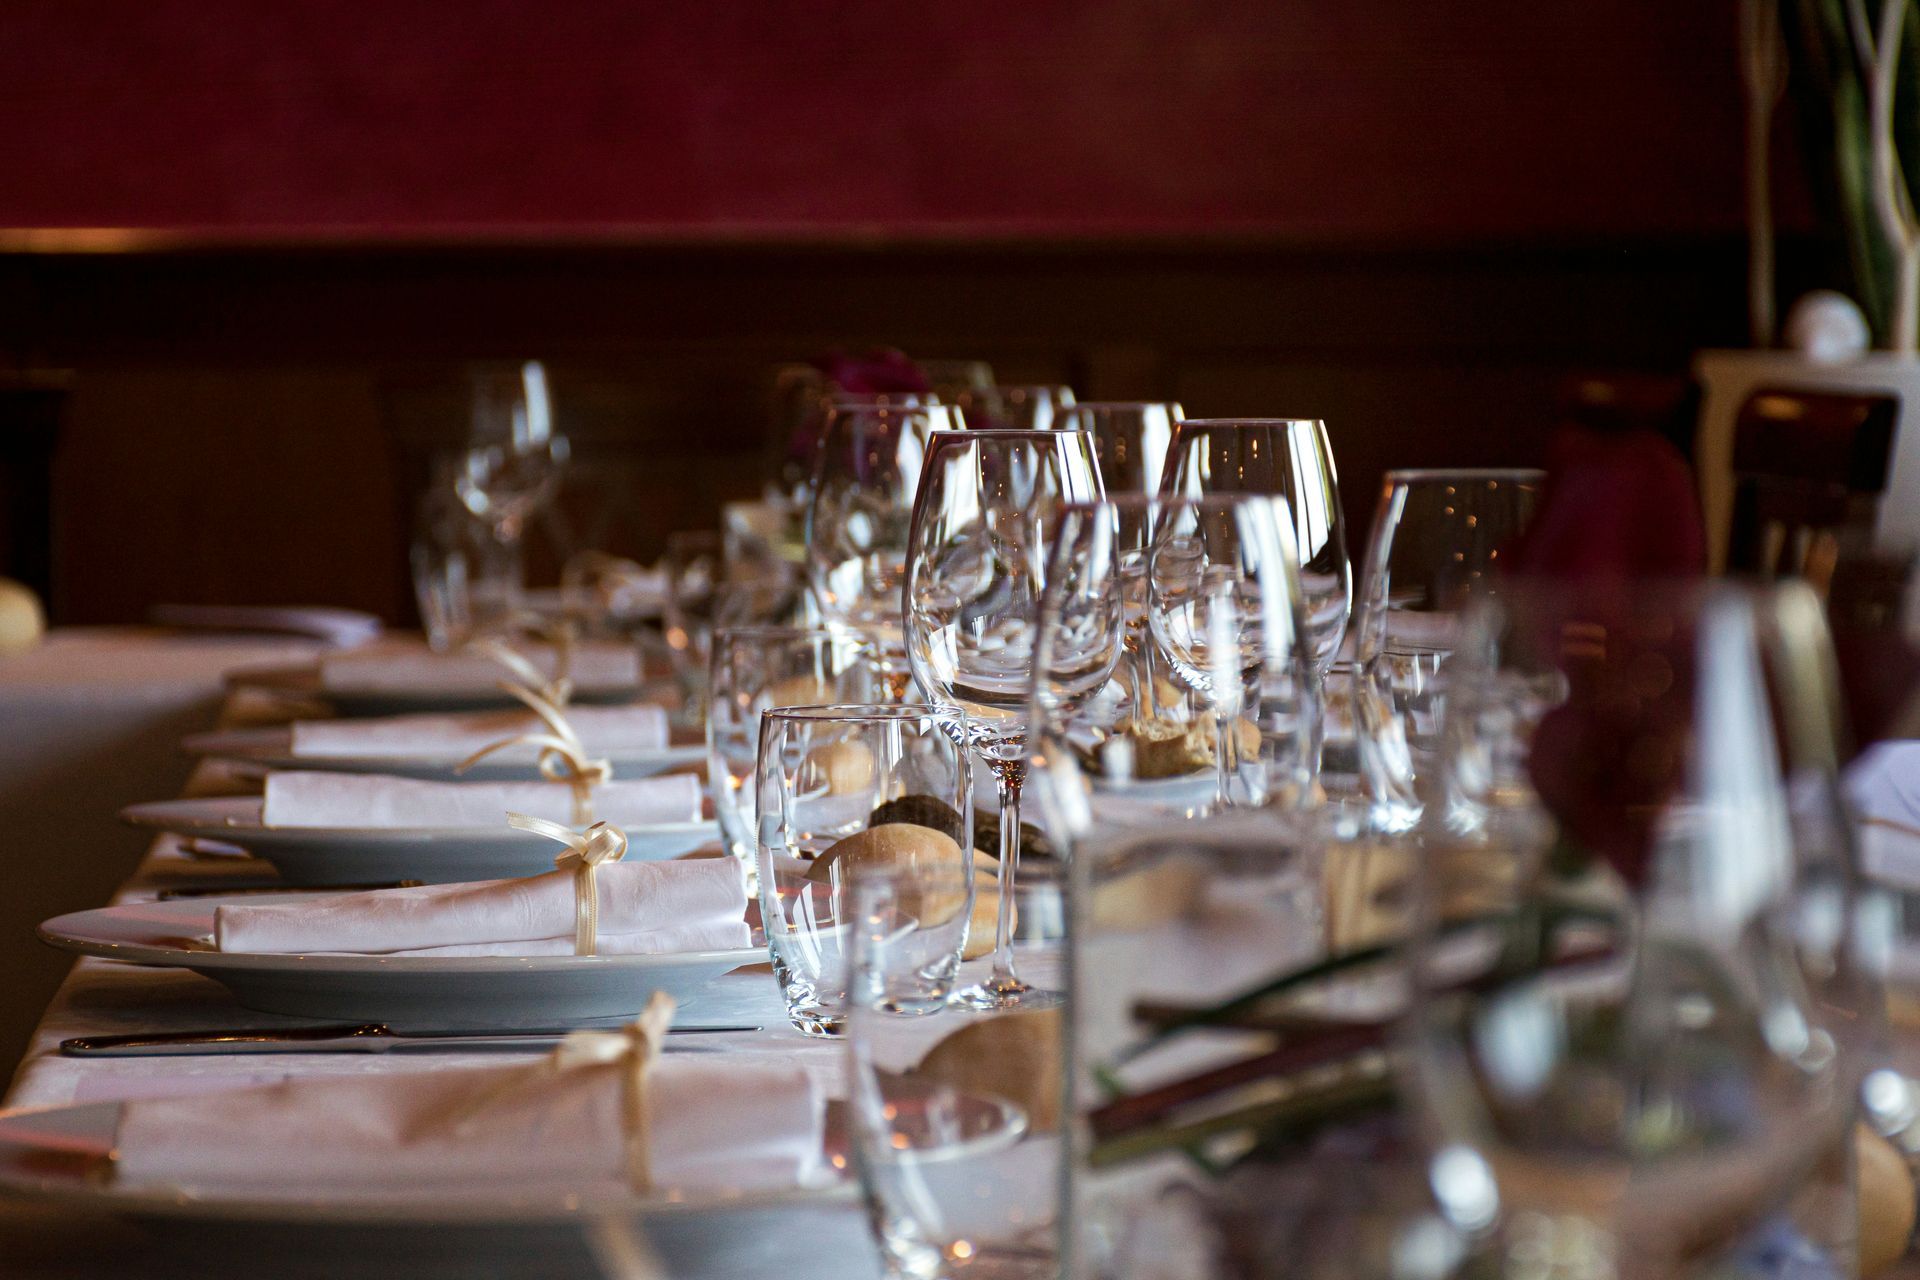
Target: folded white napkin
{"type": "Point", "coordinates": [713, 1127]}
{"type": "Point", "coordinates": [360, 800]}
{"type": "Point", "coordinates": [692, 904]}
{"type": "Point", "coordinates": [341, 627]}
{"type": "Point", "coordinates": [407, 667]}
{"type": "Point", "coordinates": [604, 730]}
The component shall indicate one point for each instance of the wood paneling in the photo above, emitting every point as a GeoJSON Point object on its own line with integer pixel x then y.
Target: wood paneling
{"type": "Point", "coordinates": [251, 425]}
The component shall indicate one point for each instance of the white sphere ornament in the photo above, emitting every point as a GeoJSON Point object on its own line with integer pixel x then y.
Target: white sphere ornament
{"type": "Point", "coordinates": [22, 620]}
{"type": "Point", "coordinates": [1827, 327]}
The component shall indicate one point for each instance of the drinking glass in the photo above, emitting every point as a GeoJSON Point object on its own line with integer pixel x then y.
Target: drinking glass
{"type": "Point", "coordinates": [1438, 538]}
{"type": "Point", "coordinates": [954, 1114]}
{"type": "Point", "coordinates": [1643, 999]}
{"type": "Point", "coordinates": [866, 472]}
{"type": "Point", "coordinates": [462, 575]}
{"type": "Point", "coordinates": [1285, 457]}
{"type": "Point", "coordinates": [1031, 408]}
{"type": "Point", "coordinates": [1130, 438]}
{"type": "Point", "coordinates": [753, 670]}
{"type": "Point", "coordinates": [976, 564]}
{"type": "Point", "coordinates": [1171, 674]}
{"type": "Point", "coordinates": [966, 384]}
{"type": "Point", "coordinates": [843, 790]}
{"type": "Point", "coordinates": [513, 461]}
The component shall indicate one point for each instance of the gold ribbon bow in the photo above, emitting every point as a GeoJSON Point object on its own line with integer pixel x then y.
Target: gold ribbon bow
{"type": "Point", "coordinates": [563, 756]}
{"type": "Point", "coordinates": [586, 852]}
{"type": "Point", "coordinates": [636, 1047]}
{"type": "Point", "coordinates": [559, 690]}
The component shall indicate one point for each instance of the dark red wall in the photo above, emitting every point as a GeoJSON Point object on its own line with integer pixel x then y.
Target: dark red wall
{"type": "Point", "coordinates": [1357, 120]}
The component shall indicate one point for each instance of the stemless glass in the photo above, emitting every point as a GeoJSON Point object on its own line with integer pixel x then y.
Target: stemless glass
{"type": "Point", "coordinates": [1438, 538]}
{"type": "Point", "coordinates": [1286, 457]}
{"type": "Point", "coordinates": [954, 1115]}
{"type": "Point", "coordinates": [1130, 439]}
{"type": "Point", "coordinates": [844, 790]}
{"type": "Point", "coordinates": [866, 472]}
{"type": "Point", "coordinates": [975, 568]}
{"type": "Point", "coordinates": [753, 670]}
{"type": "Point", "coordinates": [1643, 1009]}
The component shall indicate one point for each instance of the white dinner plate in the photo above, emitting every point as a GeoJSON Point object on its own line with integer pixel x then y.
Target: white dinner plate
{"type": "Point", "coordinates": [63, 1155]}
{"type": "Point", "coordinates": [407, 992]}
{"type": "Point", "coordinates": [373, 855]}
{"type": "Point", "coordinates": [272, 748]}
{"type": "Point", "coordinates": [303, 682]}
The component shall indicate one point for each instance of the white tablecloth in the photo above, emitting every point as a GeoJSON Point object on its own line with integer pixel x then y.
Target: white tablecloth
{"type": "Point", "coordinates": [90, 721]}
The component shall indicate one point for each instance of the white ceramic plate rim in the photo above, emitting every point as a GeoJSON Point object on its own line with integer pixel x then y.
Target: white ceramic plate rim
{"type": "Point", "coordinates": [274, 748]}
{"type": "Point", "coordinates": [448, 1207]}
{"type": "Point", "coordinates": [71, 932]}
{"type": "Point", "coordinates": [236, 817]}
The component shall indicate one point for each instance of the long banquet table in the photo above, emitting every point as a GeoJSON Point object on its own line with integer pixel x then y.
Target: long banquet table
{"type": "Point", "coordinates": [99, 997]}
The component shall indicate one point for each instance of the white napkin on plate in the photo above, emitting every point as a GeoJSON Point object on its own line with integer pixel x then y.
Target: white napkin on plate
{"type": "Point", "coordinates": [692, 904]}
{"type": "Point", "coordinates": [363, 800]}
{"type": "Point", "coordinates": [412, 667]}
{"type": "Point", "coordinates": [604, 730]}
{"type": "Point", "coordinates": [714, 1126]}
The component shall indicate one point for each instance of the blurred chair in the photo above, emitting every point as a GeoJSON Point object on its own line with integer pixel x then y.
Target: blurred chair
{"type": "Point", "coordinates": [1809, 468]}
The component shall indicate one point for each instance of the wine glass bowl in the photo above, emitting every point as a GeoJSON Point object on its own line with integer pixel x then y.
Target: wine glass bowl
{"type": "Point", "coordinates": [1642, 1003]}
{"type": "Point", "coordinates": [1290, 458]}
{"type": "Point", "coordinates": [1439, 542]}
{"type": "Point", "coordinates": [866, 472]}
{"type": "Point", "coordinates": [1130, 440]}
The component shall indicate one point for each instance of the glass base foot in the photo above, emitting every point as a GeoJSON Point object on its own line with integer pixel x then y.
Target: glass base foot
{"type": "Point", "coordinates": [1006, 993]}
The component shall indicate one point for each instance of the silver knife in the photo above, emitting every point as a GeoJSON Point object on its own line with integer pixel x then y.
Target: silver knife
{"type": "Point", "coordinates": [372, 1037]}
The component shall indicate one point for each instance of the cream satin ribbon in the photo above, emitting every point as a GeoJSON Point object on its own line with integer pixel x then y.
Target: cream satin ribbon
{"type": "Point", "coordinates": [563, 756]}
{"type": "Point", "coordinates": [634, 1047]}
{"type": "Point", "coordinates": [586, 852]}
{"type": "Point", "coordinates": [559, 690]}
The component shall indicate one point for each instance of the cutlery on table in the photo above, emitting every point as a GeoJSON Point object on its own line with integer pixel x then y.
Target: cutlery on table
{"type": "Point", "coordinates": [372, 1037]}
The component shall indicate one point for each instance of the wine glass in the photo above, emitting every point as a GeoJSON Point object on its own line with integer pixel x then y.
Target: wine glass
{"type": "Point", "coordinates": [512, 464]}
{"type": "Point", "coordinates": [1286, 457]}
{"type": "Point", "coordinates": [976, 563]}
{"type": "Point", "coordinates": [1642, 1005]}
{"type": "Point", "coordinates": [1437, 544]}
{"type": "Point", "coordinates": [845, 791]}
{"type": "Point", "coordinates": [1031, 408]}
{"type": "Point", "coordinates": [866, 472]}
{"type": "Point", "coordinates": [1130, 438]}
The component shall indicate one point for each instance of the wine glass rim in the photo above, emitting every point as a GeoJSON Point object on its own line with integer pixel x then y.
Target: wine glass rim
{"type": "Point", "coordinates": [1030, 432]}
{"type": "Point", "coordinates": [1120, 404]}
{"type": "Point", "coordinates": [1422, 475]}
{"type": "Point", "coordinates": [862, 399]}
{"type": "Point", "coordinates": [1253, 422]}
{"type": "Point", "coordinates": [869, 712]}
{"type": "Point", "coordinates": [1157, 501]}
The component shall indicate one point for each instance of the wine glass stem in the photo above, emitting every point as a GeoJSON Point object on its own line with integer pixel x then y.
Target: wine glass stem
{"type": "Point", "coordinates": [1225, 728]}
{"type": "Point", "coordinates": [1011, 774]}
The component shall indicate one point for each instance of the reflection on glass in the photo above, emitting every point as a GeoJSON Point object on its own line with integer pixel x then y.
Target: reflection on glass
{"type": "Point", "coordinates": [1286, 457]}
{"type": "Point", "coordinates": [1130, 438]}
